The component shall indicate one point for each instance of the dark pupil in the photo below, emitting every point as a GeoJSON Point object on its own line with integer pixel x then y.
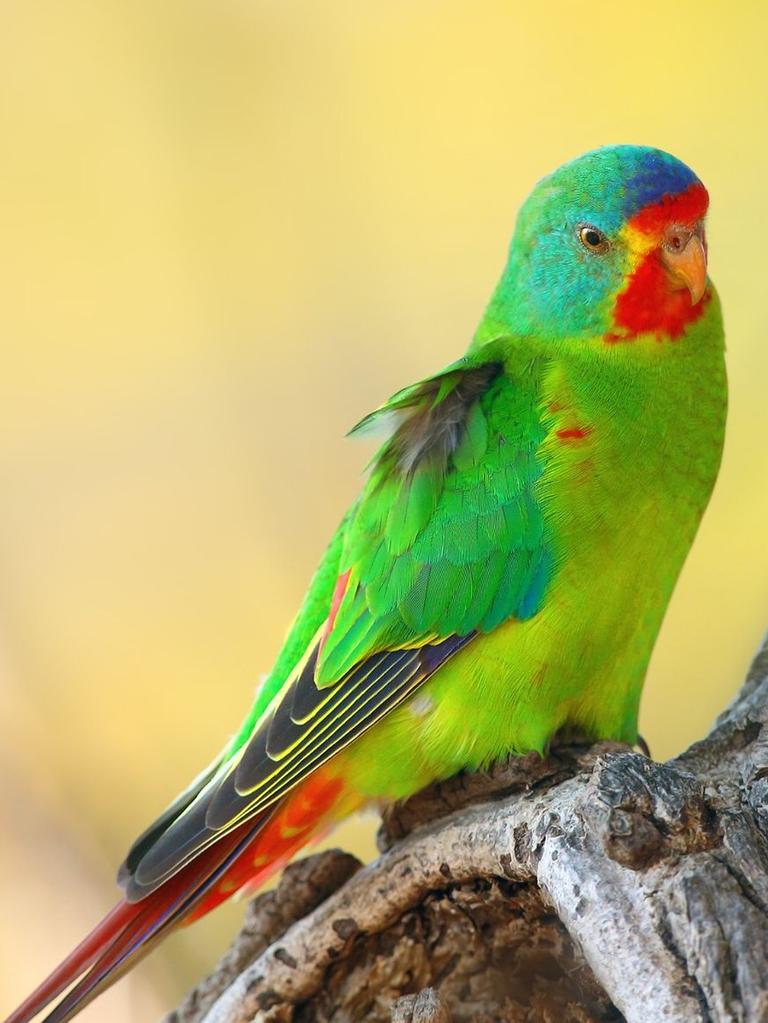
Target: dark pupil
{"type": "Point", "coordinates": [592, 238]}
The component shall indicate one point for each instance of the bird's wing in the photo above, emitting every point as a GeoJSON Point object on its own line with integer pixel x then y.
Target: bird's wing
{"type": "Point", "coordinates": [447, 540]}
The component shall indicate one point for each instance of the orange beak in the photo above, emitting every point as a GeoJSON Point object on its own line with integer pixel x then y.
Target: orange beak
{"type": "Point", "coordinates": [685, 258]}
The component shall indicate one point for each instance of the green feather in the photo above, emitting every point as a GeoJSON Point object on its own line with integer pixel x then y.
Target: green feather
{"type": "Point", "coordinates": [429, 542]}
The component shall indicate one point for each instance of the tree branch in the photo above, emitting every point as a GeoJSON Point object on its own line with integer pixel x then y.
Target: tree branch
{"type": "Point", "coordinates": [589, 886]}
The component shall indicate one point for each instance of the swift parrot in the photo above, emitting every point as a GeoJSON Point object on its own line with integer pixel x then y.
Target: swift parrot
{"type": "Point", "coordinates": [503, 573]}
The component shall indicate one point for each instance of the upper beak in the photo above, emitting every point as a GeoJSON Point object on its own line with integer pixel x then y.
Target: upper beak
{"type": "Point", "coordinates": [687, 264]}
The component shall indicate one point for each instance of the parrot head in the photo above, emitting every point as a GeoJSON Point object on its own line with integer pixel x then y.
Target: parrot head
{"type": "Point", "coordinates": [610, 245]}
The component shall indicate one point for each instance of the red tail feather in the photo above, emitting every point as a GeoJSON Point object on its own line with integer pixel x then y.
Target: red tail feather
{"type": "Point", "coordinates": [75, 963]}
{"type": "Point", "coordinates": [248, 855]}
{"type": "Point", "coordinates": [130, 930]}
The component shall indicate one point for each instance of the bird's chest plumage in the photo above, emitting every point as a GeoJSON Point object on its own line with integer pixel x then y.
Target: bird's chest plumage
{"type": "Point", "coordinates": [631, 456]}
{"type": "Point", "coordinates": [628, 460]}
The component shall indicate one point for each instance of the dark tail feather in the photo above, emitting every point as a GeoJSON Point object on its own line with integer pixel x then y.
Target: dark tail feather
{"type": "Point", "coordinates": [130, 930]}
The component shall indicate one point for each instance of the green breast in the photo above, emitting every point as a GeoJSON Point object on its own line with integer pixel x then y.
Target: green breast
{"type": "Point", "coordinates": [633, 449]}
{"type": "Point", "coordinates": [633, 445]}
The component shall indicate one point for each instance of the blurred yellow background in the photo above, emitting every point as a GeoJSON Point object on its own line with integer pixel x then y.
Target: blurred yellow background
{"type": "Point", "coordinates": [228, 228]}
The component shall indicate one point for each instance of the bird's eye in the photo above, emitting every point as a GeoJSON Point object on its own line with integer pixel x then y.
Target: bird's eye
{"type": "Point", "coordinates": [676, 238]}
{"type": "Point", "coordinates": [593, 239]}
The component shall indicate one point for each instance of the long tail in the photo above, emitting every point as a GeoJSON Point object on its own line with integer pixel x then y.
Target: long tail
{"type": "Point", "coordinates": [130, 930]}
{"type": "Point", "coordinates": [240, 860]}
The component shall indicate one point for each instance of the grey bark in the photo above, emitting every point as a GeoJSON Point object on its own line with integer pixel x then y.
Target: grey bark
{"type": "Point", "coordinates": [590, 886]}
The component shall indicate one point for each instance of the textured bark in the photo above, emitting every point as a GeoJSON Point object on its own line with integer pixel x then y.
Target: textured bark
{"type": "Point", "coordinates": [590, 886]}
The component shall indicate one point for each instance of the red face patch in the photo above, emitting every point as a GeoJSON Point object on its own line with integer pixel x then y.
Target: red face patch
{"type": "Point", "coordinates": [649, 304]}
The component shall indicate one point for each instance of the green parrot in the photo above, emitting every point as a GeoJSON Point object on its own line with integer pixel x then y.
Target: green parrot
{"type": "Point", "coordinates": [504, 572]}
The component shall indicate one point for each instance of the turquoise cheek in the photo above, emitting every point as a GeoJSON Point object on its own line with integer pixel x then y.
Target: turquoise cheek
{"type": "Point", "coordinates": [573, 291]}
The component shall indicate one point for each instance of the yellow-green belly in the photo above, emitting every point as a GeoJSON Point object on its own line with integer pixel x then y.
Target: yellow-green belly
{"type": "Point", "coordinates": [577, 663]}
